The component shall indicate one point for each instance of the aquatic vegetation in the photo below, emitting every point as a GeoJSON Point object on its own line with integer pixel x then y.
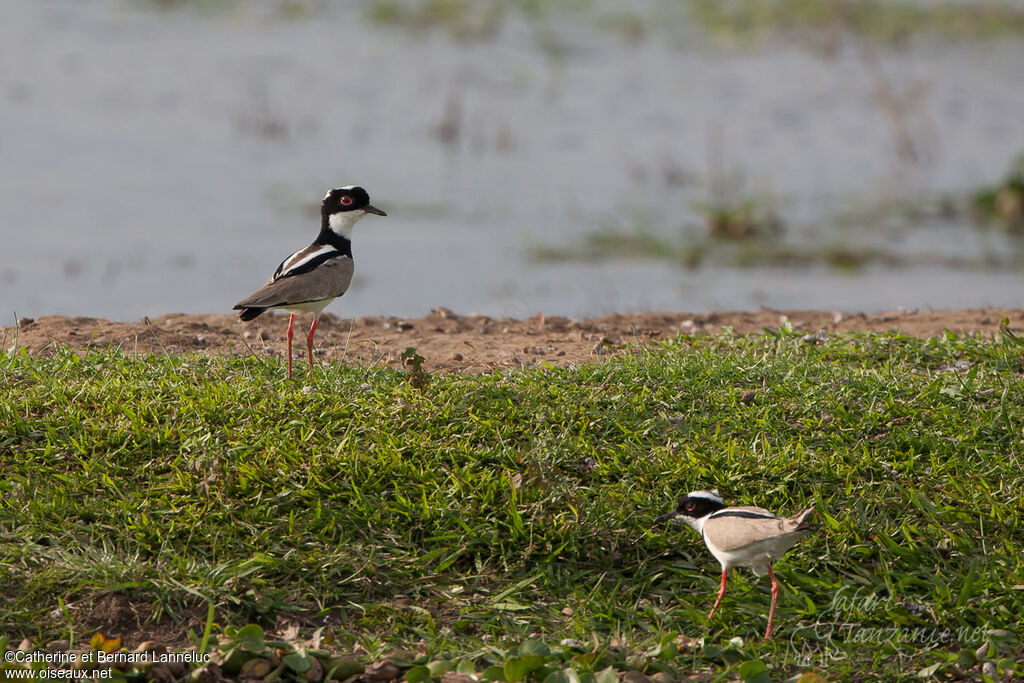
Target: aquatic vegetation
{"type": "Point", "coordinates": [898, 232]}
{"type": "Point", "coordinates": [457, 17]}
{"type": "Point", "coordinates": [743, 21]}
{"type": "Point", "coordinates": [692, 252]}
{"type": "Point", "coordinates": [1004, 203]}
{"type": "Point", "coordinates": [742, 219]}
{"type": "Point", "coordinates": [460, 19]}
{"type": "Point", "coordinates": [736, 22]}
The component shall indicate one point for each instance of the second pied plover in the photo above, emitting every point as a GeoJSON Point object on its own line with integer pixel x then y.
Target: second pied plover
{"type": "Point", "coordinates": [741, 536]}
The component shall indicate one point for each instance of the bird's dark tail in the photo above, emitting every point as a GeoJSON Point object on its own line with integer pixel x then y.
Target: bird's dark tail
{"type": "Point", "coordinates": [250, 313]}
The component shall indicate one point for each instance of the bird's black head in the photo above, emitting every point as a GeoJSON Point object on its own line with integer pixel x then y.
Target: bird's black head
{"type": "Point", "coordinates": [344, 199]}
{"type": "Point", "coordinates": [693, 506]}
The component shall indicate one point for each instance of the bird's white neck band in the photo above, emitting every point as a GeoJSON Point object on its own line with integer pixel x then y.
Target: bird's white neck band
{"type": "Point", "coordinates": [342, 222]}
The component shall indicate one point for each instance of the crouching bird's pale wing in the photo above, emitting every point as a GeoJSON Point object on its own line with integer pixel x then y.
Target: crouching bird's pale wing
{"type": "Point", "coordinates": [741, 536]}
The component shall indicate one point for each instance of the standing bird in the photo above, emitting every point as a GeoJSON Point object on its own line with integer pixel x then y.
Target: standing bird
{"type": "Point", "coordinates": [741, 536]}
{"type": "Point", "coordinates": [313, 277]}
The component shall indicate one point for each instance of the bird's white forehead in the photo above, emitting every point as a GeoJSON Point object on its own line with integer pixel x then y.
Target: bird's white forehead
{"type": "Point", "coordinates": [347, 187]}
{"type": "Point", "coordinates": [711, 495]}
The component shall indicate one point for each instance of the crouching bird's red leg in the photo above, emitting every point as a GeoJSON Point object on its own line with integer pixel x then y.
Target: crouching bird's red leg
{"type": "Point", "coordinates": [721, 592]}
{"type": "Point", "coordinates": [775, 599]}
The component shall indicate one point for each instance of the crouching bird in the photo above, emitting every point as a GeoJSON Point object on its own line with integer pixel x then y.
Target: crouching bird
{"type": "Point", "coordinates": [741, 536]}
{"type": "Point", "coordinates": [313, 277]}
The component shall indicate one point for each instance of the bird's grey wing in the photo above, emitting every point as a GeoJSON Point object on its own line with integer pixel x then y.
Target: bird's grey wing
{"type": "Point", "coordinates": [329, 279]}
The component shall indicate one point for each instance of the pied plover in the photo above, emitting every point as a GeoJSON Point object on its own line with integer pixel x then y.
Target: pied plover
{"type": "Point", "coordinates": [741, 536]}
{"type": "Point", "coordinates": [313, 277]}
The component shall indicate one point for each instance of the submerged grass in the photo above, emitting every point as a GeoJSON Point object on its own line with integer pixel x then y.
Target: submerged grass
{"type": "Point", "coordinates": [473, 513]}
{"type": "Point", "coordinates": [738, 22]}
{"type": "Point", "coordinates": [644, 243]}
{"type": "Point", "coordinates": [748, 232]}
{"type": "Point", "coordinates": [888, 21]}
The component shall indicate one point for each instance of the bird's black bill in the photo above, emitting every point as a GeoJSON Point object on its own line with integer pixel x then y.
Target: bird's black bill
{"type": "Point", "coordinates": [373, 209]}
{"type": "Point", "coordinates": [664, 518]}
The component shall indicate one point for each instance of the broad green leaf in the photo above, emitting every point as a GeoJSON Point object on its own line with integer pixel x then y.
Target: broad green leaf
{"type": "Point", "coordinates": [417, 674]}
{"type": "Point", "coordinates": [754, 671]}
{"type": "Point", "coordinates": [534, 647]}
{"type": "Point", "coordinates": [298, 661]}
{"type": "Point", "coordinates": [439, 667]}
{"type": "Point", "coordinates": [250, 637]}
{"type": "Point", "coordinates": [517, 668]}
{"type": "Point", "coordinates": [493, 673]}
{"type": "Point", "coordinates": [607, 676]}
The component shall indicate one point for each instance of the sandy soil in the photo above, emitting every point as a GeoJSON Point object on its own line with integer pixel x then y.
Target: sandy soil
{"type": "Point", "coordinates": [455, 343]}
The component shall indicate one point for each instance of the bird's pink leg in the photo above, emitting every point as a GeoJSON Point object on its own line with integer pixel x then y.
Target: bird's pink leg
{"type": "Point", "coordinates": [291, 319]}
{"type": "Point", "coordinates": [721, 592]}
{"type": "Point", "coordinates": [309, 345]}
{"type": "Point", "coordinates": [775, 598]}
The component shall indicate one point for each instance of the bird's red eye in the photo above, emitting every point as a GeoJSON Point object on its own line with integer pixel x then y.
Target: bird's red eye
{"type": "Point", "coordinates": [345, 200]}
{"type": "Point", "coordinates": [690, 505]}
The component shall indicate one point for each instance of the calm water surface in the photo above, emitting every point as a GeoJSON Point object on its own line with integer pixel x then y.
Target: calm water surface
{"type": "Point", "coordinates": [161, 161]}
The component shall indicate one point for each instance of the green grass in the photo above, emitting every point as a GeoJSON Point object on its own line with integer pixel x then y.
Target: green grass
{"type": "Point", "coordinates": [474, 514]}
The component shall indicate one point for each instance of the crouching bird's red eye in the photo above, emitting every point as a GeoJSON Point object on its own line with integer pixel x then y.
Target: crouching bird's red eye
{"type": "Point", "coordinates": [345, 200]}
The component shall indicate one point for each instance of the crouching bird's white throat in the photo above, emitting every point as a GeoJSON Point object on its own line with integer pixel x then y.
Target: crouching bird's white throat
{"type": "Point", "coordinates": [313, 277]}
{"type": "Point", "coordinates": [741, 536]}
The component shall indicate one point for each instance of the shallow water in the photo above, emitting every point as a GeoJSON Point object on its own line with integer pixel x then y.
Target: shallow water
{"type": "Point", "coordinates": [159, 161]}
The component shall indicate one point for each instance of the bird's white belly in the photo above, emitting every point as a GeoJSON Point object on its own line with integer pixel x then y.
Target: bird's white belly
{"type": "Point", "coordinates": [756, 555]}
{"type": "Point", "coordinates": [308, 306]}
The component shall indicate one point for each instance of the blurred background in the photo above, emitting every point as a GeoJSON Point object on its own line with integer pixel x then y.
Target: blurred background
{"type": "Point", "coordinates": [576, 157]}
